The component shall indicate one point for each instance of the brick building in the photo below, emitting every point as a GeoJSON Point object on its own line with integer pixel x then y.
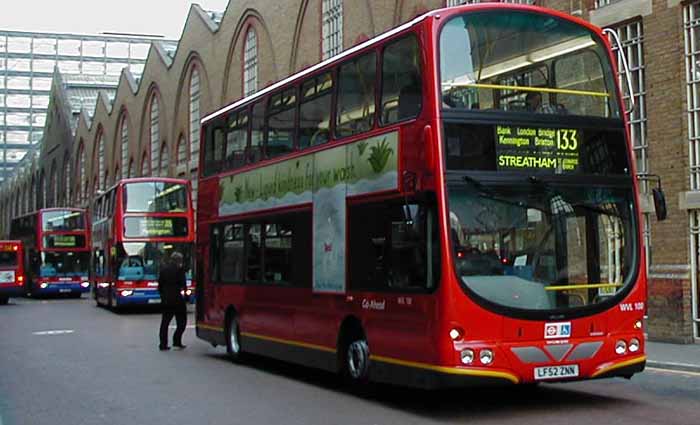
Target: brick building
{"type": "Point", "coordinates": [149, 124]}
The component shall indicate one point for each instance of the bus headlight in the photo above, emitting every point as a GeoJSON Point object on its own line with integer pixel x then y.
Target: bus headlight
{"type": "Point", "coordinates": [85, 284]}
{"type": "Point", "coordinates": [467, 356]}
{"type": "Point", "coordinates": [44, 285]}
{"type": "Point", "coordinates": [126, 292]}
{"type": "Point", "coordinates": [621, 347]}
{"type": "Point", "coordinates": [486, 356]}
{"type": "Point", "coordinates": [634, 345]}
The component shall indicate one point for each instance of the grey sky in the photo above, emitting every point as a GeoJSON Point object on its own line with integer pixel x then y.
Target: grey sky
{"type": "Point", "coordinates": [161, 17]}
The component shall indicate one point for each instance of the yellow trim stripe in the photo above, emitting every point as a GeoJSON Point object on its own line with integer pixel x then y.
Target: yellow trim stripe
{"type": "Point", "coordinates": [289, 342]}
{"type": "Point", "coordinates": [450, 370]}
{"type": "Point", "coordinates": [211, 328]}
{"type": "Point", "coordinates": [532, 89]}
{"type": "Point", "coordinates": [581, 286]}
{"type": "Point", "coordinates": [620, 365]}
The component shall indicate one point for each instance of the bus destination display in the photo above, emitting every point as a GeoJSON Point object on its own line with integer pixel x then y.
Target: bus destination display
{"type": "Point", "coordinates": [554, 150]}
{"type": "Point", "coordinates": [64, 241]}
{"type": "Point", "coordinates": [143, 227]}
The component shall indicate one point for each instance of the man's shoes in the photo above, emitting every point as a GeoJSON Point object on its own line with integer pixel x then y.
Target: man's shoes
{"type": "Point", "coordinates": [179, 346]}
{"type": "Point", "coordinates": [163, 348]}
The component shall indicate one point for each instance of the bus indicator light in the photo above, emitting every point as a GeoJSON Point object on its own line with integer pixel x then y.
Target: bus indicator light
{"type": "Point", "coordinates": [456, 334]}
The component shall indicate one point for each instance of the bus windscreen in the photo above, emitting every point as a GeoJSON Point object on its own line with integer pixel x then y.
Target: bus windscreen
{"type": "Point", "coordinates": [65, 221]}
{"type": "Point", "coordinates": [525, 62]}
{"type": "Point", "coordinates": [8, 259]}
{"type": "Point", "coordinates": [64, 264]}
{"type": "Point", "coordinates": [154, 197]}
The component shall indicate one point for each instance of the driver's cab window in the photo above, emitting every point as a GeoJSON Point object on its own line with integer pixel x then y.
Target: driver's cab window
{"type": "Point", "coordinates": [395, 246]}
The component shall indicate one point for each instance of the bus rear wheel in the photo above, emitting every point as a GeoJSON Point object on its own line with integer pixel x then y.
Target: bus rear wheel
{"type": "Point", "coordinates": [233, 339]}
{"type": "Point", "coordinates": [356, 360]}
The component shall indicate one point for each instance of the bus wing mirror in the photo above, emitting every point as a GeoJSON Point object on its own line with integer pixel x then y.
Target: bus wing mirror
{"type": "Point", "coordinates": [659, 203]}
{"type": "Point", "coordinates": [658, 196]}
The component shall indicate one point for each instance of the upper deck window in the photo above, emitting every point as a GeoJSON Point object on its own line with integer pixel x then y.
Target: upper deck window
{"type": "Point", "coordinates": [62, 221]}
{"type": "Point", "coordinates": [525, 62]}
{"type": "Point", "coordinates": [152, 197]}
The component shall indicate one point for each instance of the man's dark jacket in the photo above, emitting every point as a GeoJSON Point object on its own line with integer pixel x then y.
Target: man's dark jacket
{"type": "Point", "coordinates": [172, 280]}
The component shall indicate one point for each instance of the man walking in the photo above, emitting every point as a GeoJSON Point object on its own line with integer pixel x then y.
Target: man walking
{"type": "Point", "coordinates": [171, 285]}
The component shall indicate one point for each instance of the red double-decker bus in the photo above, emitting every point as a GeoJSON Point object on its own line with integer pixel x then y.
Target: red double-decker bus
{"type": "Point", "coordinates": [56, 250]}
{"type": "Point", "coordinates": [136, 225]}
{"type": "Point", "coordinates": [11, 270]}
{"type": "Point", "coordinates": [450, 203]}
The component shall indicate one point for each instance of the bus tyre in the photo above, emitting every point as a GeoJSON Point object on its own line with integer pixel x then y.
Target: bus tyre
{"type": "Point", "coordinates": [357, 360]}
{"type": "Point", "coordinates": [233, 340]}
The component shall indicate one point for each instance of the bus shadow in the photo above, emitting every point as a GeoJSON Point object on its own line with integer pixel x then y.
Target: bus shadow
{"type": "Point", "coordinates": [448, 404]}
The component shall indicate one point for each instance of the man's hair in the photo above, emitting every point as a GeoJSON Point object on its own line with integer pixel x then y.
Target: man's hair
{"type": "Point", "coordinates": [177, 257]}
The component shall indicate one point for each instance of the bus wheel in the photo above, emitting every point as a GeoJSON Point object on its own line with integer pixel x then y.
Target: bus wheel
{"type": "Point", "coordinates": [233, 339]}
{"type": "Point", "coordinates": [357, 359]}
{"type": "Point", "coordinates": [4, 300]}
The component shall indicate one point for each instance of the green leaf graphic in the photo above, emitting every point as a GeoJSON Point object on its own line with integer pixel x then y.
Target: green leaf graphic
{"type": "Point", "coordinates": [361, 147]}
{"type": "Point", "coordinates": [379, 155]}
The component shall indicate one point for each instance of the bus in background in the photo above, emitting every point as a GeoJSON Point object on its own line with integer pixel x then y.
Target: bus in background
{"type": "Point", "coordinates": [451, 203]}
{"type": "Point", "coordinates": [11, 270]}
{"type": "Point", "coordinates": [136, 225]}
{"type": "Point", "coordinates": [56, 250]}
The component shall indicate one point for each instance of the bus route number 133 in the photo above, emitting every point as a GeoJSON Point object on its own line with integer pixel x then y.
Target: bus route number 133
{"type": "Point", "coordinates": [567, 139]}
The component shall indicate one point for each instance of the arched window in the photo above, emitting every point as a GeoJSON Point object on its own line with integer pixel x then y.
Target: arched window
{"type": "Point", "coordinates": [53, 199]}
{"type": "Point", "coordinates": [194, 119]}
{"type": "Point", "coordinates": [100, 158]}
{"type": "Point", "coordinates": [331, 28]}
{"type": "Point", "coordinates": [130, 170]}
{"type": "Point", "coordinates": [144, 164]}
{"type": "Point", "coordinates": [155, 136]}
{"type": "Point", "coordinates": [116, 175]}
{"type": "Point", "coordinates": [250, 63]}
{"type": "Point", "coordinates": [164, 160]}
{"type": "Point", "coordinates": [66, 176]}
{"type": "Point", "coordinates": [81, 178]}
{"type": "Point", "coordinates": [182, 151]}
{"type": "Point", "coordinates": [124, 136]}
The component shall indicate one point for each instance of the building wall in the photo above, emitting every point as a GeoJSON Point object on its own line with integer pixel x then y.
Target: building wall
{"type": "Point", "coordinates": [289, 39]}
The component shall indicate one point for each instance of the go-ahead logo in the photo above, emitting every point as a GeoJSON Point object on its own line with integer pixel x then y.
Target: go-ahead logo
{"type": "Point", "coordinates": [557, 330]}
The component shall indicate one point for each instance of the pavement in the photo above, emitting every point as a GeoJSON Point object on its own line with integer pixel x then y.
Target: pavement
{"type": "Point", "coordinates": [683, 357]}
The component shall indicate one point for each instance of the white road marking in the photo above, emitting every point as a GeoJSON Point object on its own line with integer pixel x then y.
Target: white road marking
{"type": "Point", "coordinates": [54, 332]}
{"type": "Point", "coordinates": [175, 327]}
{"type": "Point", "coordinates": [678, 372]}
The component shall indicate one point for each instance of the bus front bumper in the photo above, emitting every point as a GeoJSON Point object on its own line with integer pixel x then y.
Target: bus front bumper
{"type": "Point", "coordinates": [11, 290]}
{"type": "Point", "coordinates": [61, 287]}
{"type": "Point", "coordinates": [136, 296]}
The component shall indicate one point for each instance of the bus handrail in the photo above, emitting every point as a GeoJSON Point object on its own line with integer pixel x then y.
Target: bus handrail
{"type": "Point", "coordinates": [528, 89]}
{"type": "Point", "coordinates": [628, 76]}
{"type": "Point", "coordinates": [581, 286]}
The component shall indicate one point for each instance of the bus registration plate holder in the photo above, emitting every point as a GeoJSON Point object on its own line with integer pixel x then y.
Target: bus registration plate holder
{"type": "Point", "coordinates": [556, 372]}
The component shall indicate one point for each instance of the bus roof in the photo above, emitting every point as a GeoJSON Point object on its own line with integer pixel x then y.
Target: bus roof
{"type": "Point", "coordinates": [337, 58]}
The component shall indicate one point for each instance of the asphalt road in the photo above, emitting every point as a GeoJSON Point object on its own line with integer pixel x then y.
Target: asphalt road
{"type": "Point", "coordinates": [68, 362]}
